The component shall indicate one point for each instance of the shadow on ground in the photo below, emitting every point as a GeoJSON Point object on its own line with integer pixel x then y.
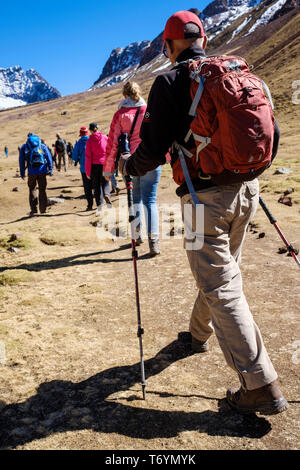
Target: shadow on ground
{"type": "Point", "coordinates": [61, 406]}
{"type": "Point", "coordinates": [79, 213]}
{"type": "Point", "coordinates": [76, 260]}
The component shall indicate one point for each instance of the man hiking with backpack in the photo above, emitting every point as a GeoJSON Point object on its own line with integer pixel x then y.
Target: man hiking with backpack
{"type": "Point", "coordinates": [36, 157]}
{"type": "Point", "coordinates": [215, 117]}
{"type": "Point", "coordinates": [62, 154]}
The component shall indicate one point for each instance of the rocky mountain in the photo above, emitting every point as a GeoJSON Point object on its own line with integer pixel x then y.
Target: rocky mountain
{"type": "Point", "coordinates": [121, 59]}
{"type": "Point", "coordinates": [20, 87]}
{"type": "Point", "coordinates": [224, 21]}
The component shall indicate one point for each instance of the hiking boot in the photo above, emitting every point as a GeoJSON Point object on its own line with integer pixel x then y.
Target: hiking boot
{"type": "Point", "coordinates": [89, 208]}
{"type": "Point", "coordinates": [32, 213]}
{"type": "Point", "coordinates": [154, 246]}
{"type": "Point", "coordinates": [115, 191]}
{"type": "Point", "coordinates": [99, 209]}
{"type": "Point", "coordinates": [199, 346]}
{"type": "Point", "coordinates": [266, 400]}
{"type": "Point", "coordinates": [107, 200]}
{"type": "Point", "coordinates": [139, 241]}
{"type": "Point", "coordinates": [196, 345]}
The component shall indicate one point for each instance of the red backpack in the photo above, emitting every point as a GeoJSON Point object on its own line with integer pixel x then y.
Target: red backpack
{"type": "Point", "coordinates": [233, 124]}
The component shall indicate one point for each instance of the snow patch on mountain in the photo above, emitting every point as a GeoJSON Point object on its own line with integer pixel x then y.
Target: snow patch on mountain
{"type": "Point", "coordinates": [125, 74]}
{"type": "Point", "coordinates": [7, 102]}
{"type": "Point", "coordinates": [162, 67]}
{"type": "Point", "coordinates": [267, 15]}
{"type": "Point", "coordinates": [239, 28]}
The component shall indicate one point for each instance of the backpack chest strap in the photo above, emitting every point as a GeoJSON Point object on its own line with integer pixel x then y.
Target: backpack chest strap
{"type": "Point", "coordinates": [198, 138]}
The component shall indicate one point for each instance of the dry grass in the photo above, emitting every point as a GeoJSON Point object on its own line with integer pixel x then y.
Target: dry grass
{"type": "Point", "coordinates": [15, 277]}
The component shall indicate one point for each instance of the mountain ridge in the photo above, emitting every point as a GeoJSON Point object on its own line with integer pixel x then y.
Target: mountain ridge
{"type": "Point", "coordinates": [249, 16]}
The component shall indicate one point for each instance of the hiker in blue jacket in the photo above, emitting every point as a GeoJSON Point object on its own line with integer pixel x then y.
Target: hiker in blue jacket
{"type": "Point", "coordinates": [36, 157]}
{"type": "Point", "coordinates": [78, 155]}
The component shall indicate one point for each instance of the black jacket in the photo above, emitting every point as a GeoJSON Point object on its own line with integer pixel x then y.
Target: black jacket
{"type": "Point", "coordinates": [166, 118]}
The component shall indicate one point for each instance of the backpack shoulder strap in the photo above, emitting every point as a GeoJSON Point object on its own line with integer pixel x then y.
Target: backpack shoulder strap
{"type": "Point", "coordinates": [267, 90]}
{"type": "Point", "coordinates": [134, 121]}
{"type": "Point", "coordinates": [197, 98]}
{"type": "Point", "coordinates": [187, 174]}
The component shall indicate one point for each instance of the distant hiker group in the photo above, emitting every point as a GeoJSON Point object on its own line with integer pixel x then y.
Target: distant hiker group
{"type": "Point", "coordinates": [5, 151]}
{"type": "Point", "coordinates": [215, 119]}
{"type": "Point", "coordinates": [98, 155]}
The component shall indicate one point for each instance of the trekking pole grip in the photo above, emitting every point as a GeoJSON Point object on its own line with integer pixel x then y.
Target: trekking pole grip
{"type": "Point", "coordinates": [266, 210]}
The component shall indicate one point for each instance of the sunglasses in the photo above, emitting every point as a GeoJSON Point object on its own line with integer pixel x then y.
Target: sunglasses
{"type": "Point", "coordinates": [164, 50]}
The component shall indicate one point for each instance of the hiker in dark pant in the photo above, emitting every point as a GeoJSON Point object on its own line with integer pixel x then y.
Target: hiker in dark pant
{"type": "Point", "coordinates": [100, 185]}
{"type": "Point", "coordinates": [61, 148]}
{"type": "Point", "coordinates": [36, 157]}
{"type": "Point", "coordinates": [88, 191]}
{"type": "Point", "coordinates": [34, 200]}
{"type": "Point", "coordinates": [69, 152]}
{"type": "Point", "coordinates": [94, 161]}
{"type": "Point", "coordinates": [78, 155]}
{"type": "Point", "coordinates": [54, 156]}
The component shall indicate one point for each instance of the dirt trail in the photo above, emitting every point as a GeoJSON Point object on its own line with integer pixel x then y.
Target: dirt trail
{"type": "Point", "coordinates": [68, 325]}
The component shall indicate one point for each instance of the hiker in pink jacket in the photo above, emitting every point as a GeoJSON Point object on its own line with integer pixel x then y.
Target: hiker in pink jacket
{"type": "Point", "coordinates": [122, 122]}
{"type": "Point", "coordinates": [144, 187]}
{"type": "Point", "coordinates": [94, 159]}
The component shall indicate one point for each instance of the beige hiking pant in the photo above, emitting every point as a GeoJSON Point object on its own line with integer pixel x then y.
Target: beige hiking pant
{"type": "Point", "coordinates": [221, 305]}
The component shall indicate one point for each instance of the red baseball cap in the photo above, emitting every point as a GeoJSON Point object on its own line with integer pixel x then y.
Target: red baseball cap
{"type": "Point", "coordinates": [83, 130]}
{"type": "Point", "coordinates": [176, 26]}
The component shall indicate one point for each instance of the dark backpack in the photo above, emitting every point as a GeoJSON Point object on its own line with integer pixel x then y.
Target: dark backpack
{"type": "Point", "coordinates": [60, 146]}
{"type": "Point", "coordinates": [35, 156]}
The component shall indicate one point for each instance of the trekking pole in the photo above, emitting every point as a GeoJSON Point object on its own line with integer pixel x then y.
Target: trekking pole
{"type": "Point", "coordinates": [290, 247]}
{"type": "Point", "coordinates": [140, 331]}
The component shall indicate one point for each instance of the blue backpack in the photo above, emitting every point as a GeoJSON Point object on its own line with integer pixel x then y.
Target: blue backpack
{"type": "Point", "coordinates": [36, 156]}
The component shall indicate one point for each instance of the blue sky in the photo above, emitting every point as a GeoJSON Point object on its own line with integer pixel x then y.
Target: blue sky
{"type": "Point", "coordinates": [69, 41]}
